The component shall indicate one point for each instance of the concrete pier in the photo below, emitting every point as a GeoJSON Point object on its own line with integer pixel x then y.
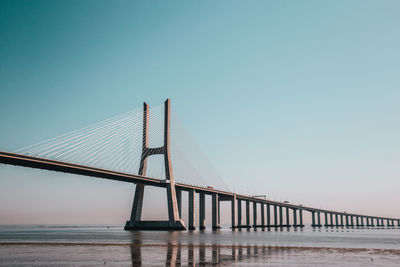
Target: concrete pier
{"type": "Point", "coordinates": [202, 211]}
{"type": "Point", "coordinates": [239, 209]}
{"type": "Point", "coordinates": [287, 217]}
{"type": "Point", "coordinates": [262, 214]}
{"type": "Point", "coordinates": [233, 211]}
{"type": "Point", "coordinates": [275, 216]}
{"type": "Point", "coordinates": [192, 210]}
{"type": "Point", "coordinates": [313, 218]}
{"type": "Point", "coordinates": [280, 216]}
{"type": "Point", "coordinates": [215, 212]}
{"type": "Point", "coordinates": [301, 218]}
{"type": "Point", "coordinates": [268, 215]}
{"type": "Point", "coordinates": [247, 213]}
{"type": "Point", "coordinates": [294, 217]}
{"type": "Point", "coordinates": [254, 214]}
{"type": "Point", "coordinates": [179, 201]}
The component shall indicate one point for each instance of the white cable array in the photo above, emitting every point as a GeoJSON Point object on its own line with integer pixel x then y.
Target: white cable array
{"type": "Point", "coordinates": [116, 144]}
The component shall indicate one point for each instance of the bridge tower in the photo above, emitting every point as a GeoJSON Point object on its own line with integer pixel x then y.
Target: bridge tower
{"type": "Point", "coordinates": [174, 221]}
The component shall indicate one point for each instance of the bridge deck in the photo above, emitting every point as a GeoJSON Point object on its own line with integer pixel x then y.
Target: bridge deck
{"type": "Point", "coordinates": [53, 165]}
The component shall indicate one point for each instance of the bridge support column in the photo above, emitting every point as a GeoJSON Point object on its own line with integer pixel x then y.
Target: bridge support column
{"type": "Point", "coordinates": [136, 214]}
{"type": "Point", "coordinates": [233, 211]}
{"type": "Point", "coordinates": [215, 211]}
{"type": "Point", "coordinates": [287, 217]}
{"type": "Point", "coordinates": [294, 217]}
{"type": "Point", "coordinates": [179, 201]}
{"type": "Point", "coordinates": [280, 216]}
{"type": "Point", "coordinates": [239, 204]}
{"type": "Point", "coordinates": [192, 209]}
{"type": "Point", "coordinates": [313, 218]}
{"type": "Point", "coordinates": [331, 217]}
{"type": "Point", "coordinates": [202, 211]}
{"type": "Point", "coordinates": [247, 213]}
{"type": "Point", "coordinates": [269, 215]}
{"type": "Point", "coordinates": [326, 219]}
{"type": "Point", "coordinates": [275, 216]}
{"type": "Point", "coordinates": [262, 215]}
{"type": "Point", "coordinates": [301, 218]}
{"type": "Point", "coordinates": [254, 214]}
{"type": "Point", "coordinates": [341, 220]}
{"type": "Point", "coordinates": [319, 219]}
{"type": "Point", "coordinates": [336, 220]}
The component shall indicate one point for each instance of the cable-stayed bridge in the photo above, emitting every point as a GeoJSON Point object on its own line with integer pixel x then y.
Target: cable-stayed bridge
{"type": "Point", "coordinates": [150, 147]}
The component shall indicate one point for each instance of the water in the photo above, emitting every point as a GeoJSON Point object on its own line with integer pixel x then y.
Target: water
{"type": "Point", "coordinates": [102, 245]}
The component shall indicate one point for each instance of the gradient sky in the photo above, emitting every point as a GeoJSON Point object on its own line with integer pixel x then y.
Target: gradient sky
{"type": "Point", "coordinates": [299, 100]}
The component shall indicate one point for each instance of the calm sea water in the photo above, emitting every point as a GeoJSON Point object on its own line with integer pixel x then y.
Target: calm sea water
{"type": "Point", "coordinates": [111, 245]}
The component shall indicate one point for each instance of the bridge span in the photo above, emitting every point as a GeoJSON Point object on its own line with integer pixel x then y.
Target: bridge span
{"type": "Point", "coordinates": [272, 213]}
{"type": "Point", "coordinates": [269, 213]}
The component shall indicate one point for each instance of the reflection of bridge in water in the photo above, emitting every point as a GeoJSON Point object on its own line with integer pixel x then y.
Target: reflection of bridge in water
{"type": "Point", "coordinates": [106, 150]}
{"type": "Point", "coordinates": [192, 255]}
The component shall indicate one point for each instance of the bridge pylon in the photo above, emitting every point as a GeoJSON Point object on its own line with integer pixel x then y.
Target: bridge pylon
{"type": "Point", "coordinates": [174, 221]}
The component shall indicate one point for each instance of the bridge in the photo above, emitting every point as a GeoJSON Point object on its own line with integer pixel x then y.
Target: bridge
{"type": "Point", "coordinates": [103, 151]}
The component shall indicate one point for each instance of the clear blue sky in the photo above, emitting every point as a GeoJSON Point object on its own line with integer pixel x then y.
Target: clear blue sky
{"type": "Point", "coordinates": [300, 98]}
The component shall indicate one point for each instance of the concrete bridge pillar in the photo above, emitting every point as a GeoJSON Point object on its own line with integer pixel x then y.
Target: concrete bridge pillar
{"type": "Point", "coordinates": [247, 213]}
{"type": "Point", "coordinates": [326, 219]}
{"type": "Point", "coordinates": [341, 220]}
{"type": "Point", "coordinates": [362, 221]}
{"type": "Point", "coordinates": [275, 215]}
{"type": "Point", "coordinates": [336, 220]}
{"type": "Point", "coordinates": [254, 214]}
{"type": "Point", "coordinates": [179, 201]}
{"type": "Point", "coordinates": [319, 218]}
{"type": "Point", "coordinates": [347, 220]}
{"type": "Point", "coordinates": [295, 218]}
{"type": "Point", "coordinates": [233, 211]}
{"type": "Point", "coordinates": [239, 204]}
{"type": "Point", "coordinates": [262, 214]}
{"type": "Point", "coordinates": [280, 216]}
{"type": "Point", "coordinates": [301, 218]}
{"type": "Point", "coordinates": [357, 220]}
{"type": "Point", "coordinates": [202, 211]}
{"type": "Point", "coordinates": [268, 215]}
{"type": "Point", "coordinates": [192, 210]}
{"type": "Point", "coordinates": [398, 223]}
{"type": "Point", "coordinates": [331, 219]}
{"type": "Point", "coordinates": [313, 218]}
{"type": "Point", "coordinates": [287, 217]}
{"type": "Point", "coordinates": [215, 211]}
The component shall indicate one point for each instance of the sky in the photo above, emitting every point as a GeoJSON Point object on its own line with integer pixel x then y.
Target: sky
{"type": "Point", "coordinates": [298, 100]}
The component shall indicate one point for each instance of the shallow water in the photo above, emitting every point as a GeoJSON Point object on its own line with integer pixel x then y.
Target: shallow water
{"type": "Point", "coordinates": [94, 245]}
